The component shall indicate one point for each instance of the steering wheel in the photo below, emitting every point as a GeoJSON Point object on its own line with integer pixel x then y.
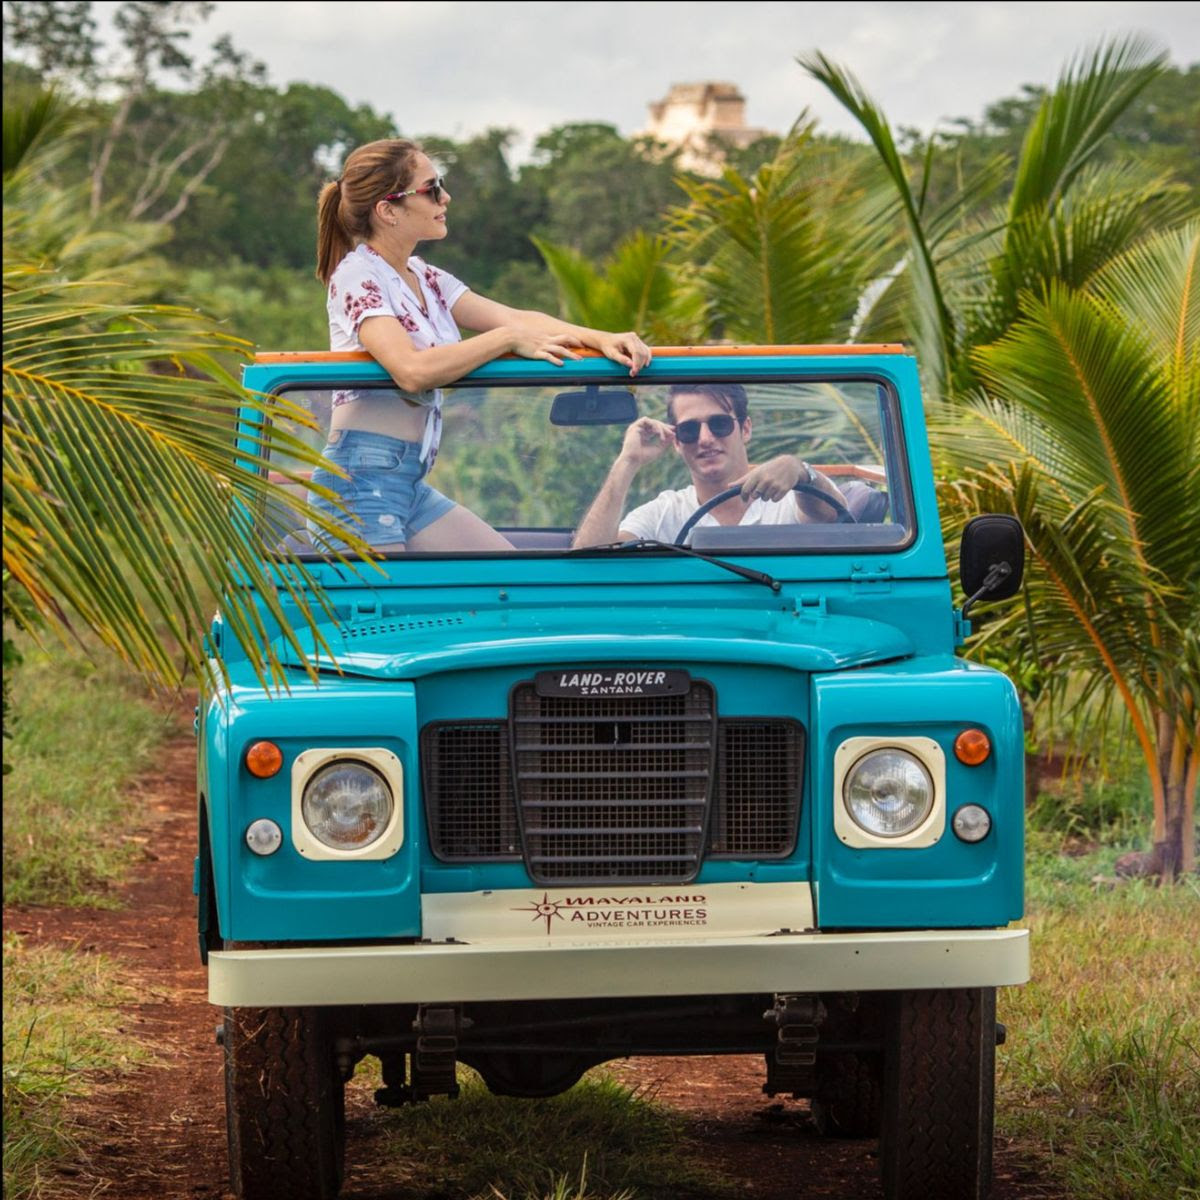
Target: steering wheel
{"type": "Point", "coordinates": [844, 515]}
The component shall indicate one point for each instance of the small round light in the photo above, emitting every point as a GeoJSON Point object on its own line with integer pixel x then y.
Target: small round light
{"type": "Point", "coordinates": [972, 823]}
{"type": "Point", "coordinates": [888, 792]}
{"type": "Point", "coordinates": [264, 836]}
{"type": "Point", "coordinates": [264, 759]}
{"type": "Point", "coordinates": [347, 805]}
{"type": "Point", "coordinates": [972, 747]}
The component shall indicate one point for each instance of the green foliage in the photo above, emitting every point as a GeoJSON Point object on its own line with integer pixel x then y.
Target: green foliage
{"type": "Point", "coordinates": [491, 211]}
{"type": "Point", "coordinates": [640, 287]}
{"type": "Point", "coordinates": [258, 205]}
{"type": "Point", "coordinates": [273, 308]}
{"type": "Point", "coordinates": [760, 247]}
{"type": "Point", "coordinates": [85, 732]}
{"type": "Point", "coordinates": [600, 187]}
{"type": "Point", "coordinates": [60, 1028]}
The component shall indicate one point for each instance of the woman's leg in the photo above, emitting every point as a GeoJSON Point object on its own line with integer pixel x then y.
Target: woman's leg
{"type": "Point", "coordinates": [459, 529]}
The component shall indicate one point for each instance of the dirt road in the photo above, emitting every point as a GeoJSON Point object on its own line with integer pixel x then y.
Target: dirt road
{"type": "Point", "coordinates": [159, 1133]}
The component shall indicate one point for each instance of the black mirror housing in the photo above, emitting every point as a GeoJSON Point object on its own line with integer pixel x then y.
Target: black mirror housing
{"type": "Point", "coordinates": [991, 557]}
{"type": "Point", "coordinates": [594, 407]}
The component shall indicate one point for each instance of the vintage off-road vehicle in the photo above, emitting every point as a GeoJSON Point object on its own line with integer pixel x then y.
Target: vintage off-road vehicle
{"type": "Point", "coordinates": [550, 807]}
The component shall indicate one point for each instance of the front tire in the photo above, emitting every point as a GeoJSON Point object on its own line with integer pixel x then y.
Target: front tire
{"type": "Point", "coordinates": [939, 1095]}
{"type": "Point", "coordinates": [283, 1105]}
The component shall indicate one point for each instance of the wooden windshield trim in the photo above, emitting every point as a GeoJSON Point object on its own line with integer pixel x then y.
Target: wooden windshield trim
{"type": "Point", "coordinates": [354, 356]}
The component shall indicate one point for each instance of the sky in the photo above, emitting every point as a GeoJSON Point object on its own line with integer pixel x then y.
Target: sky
{"type": "Point", "coordinates": [456, 69]}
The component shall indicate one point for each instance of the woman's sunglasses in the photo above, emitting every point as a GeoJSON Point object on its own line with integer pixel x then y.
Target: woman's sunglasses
{"type": "Point", "coordinates": [434, 190]}
{"type": "Point", "coordinates": [720, 425]}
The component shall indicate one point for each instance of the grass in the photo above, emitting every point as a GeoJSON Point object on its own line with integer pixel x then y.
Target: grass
{"type": "Point", "coordinates": [82, 732]}
{"type": "Point", "coordinates": [599, 1141]}
{"type": "Point", "coordinates": [60, 1030]}
{"type": "Point", "coordinates": [1100, 1079]}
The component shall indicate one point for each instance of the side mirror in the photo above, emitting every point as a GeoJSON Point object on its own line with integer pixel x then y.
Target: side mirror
{"type": "Point", "coordinates": [594, 407]}
{"type": "Point", "coordinates": [991, 558]}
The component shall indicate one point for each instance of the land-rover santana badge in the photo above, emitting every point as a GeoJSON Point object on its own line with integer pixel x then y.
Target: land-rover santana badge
{"type": "Point", "coordinates": [612, 680]}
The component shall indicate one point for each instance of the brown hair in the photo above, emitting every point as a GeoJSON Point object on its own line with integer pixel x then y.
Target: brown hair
{"type": "Point", "coordinates": [730, 396]}
{"type": "Point", "coordinates": [344, 207]}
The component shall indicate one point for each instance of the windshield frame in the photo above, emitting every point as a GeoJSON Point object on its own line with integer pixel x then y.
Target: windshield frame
{"type": "Point", "coordinates": [907, 457]}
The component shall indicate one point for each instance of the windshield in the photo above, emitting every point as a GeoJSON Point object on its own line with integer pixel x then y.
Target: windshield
{"type": "Point", "coordinates": [529, 462]}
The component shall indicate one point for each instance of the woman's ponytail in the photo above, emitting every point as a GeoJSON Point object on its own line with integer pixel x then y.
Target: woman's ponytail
{"type": "Point", "coordinates": [345, 207]}
{"type": "Point", "coordinates": [333, 242]}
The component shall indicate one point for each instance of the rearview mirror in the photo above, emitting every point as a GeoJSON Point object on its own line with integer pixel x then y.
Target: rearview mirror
{"type": "Point", "coordinates": [593, 407]}
{"type": "Point", "coordinates": [991, 558]}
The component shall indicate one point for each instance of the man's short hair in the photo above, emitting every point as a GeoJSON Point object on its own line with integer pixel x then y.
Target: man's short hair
{"type": "Point", "coordinates": [730, 396]}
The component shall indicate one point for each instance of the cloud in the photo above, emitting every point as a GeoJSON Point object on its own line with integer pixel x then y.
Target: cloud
{"type": "Point", "coordinates": [459, 68]}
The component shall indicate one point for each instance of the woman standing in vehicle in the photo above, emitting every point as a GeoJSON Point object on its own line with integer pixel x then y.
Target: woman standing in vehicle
{"type": "Point", "coordinates": [407, 314]}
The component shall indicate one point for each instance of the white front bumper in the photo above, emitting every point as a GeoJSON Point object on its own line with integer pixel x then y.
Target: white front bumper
{"type": "Point", "coordinates": [528, 970]}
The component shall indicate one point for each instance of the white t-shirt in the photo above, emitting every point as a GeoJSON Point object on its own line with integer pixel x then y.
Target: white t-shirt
{"type": "Point", "coordinates": [364, 284]}
{"type": "Point", "coordinates": [663, 517]}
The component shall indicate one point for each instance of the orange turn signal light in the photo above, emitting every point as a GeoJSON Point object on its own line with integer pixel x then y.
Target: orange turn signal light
{"type": "Point", "coordinates": [972, 747]}
{"type": "Point", "coordinates": [264, 759]}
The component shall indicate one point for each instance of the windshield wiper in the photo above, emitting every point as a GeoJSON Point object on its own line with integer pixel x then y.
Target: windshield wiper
{"type": "Point", "coordinates": [652, 544]}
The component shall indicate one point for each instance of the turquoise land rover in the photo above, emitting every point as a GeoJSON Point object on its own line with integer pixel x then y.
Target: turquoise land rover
{"type": "Point", "coordinates": [548, 807]}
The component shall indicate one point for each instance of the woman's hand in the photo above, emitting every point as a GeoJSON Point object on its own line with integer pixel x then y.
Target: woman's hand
{"type": "Point", "coordinates": [552, 347]}
{"type": "Point", "coordinates": [625, 348]}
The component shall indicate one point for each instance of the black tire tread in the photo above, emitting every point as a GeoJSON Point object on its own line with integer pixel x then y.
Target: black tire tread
{"type": "Point", "coordinates": [282, 1101]}
{"type": "Point", "coordinates": [939, 1089]}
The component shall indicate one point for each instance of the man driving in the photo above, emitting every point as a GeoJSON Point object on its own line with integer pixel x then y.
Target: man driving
{"type": "Point", "coordinates": [709, 427]}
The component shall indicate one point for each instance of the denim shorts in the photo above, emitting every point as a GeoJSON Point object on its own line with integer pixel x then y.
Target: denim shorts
{"type": "Point", "coordinates": [386, 491]}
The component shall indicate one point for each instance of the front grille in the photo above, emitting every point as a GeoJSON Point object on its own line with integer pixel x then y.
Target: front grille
{"type": "Point", "coordinates": [468, 791]}
{"type": "Point", "coordinates": [757, 802]}
{"type": "Point", "coordinates": [613, 788]}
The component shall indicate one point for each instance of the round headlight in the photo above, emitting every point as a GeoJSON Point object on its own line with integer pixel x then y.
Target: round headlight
{"type": "Point", "coordinates": [888, 792]}
{"type": "Point", "coordinates": [347, 805]}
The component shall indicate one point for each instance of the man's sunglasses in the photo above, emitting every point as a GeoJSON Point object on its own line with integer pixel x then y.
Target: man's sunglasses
{"type": "Point", "coordinates": [720, 425]}
{"type": "Point", "coordinates": [434, 190]}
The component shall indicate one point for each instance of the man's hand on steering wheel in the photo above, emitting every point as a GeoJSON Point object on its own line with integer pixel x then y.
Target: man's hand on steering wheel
{"type": "Point", "coordinates": [773, 480]}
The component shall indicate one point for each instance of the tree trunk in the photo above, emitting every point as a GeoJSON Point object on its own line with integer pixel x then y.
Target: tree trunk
{"type": "Point", "coordinates": [1175, 849]}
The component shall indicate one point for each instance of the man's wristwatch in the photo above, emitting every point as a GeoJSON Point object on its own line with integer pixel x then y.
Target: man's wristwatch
{"type": "Point", "coordinates": [809, 476]}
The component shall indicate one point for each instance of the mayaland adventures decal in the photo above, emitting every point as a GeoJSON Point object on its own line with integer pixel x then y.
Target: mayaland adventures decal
{"type": "Point", "coordinates": [620, 912]}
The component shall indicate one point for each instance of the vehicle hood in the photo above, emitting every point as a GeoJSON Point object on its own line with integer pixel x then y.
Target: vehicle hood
{"type": "Point", "coordinates": [412, 646]}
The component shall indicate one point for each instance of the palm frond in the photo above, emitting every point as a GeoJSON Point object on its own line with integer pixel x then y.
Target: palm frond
{"type": "Point", "coordinates": [1155, 286]}
{"type": "Point", "coordinates": [760, 246]}
{"type": "Point", "coordinates": [1093, 383]}
{"type": "Point", "coordinates": [1072, 121]}
{"type": "Point", "coordinates": [121, 483]}
{"type": "Point", "coordinates": [639, 286]}
{"type": "Point", "coordinates": [935, 337]}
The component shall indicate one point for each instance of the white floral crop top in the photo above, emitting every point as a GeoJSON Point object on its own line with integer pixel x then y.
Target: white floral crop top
{"type": "Point", "coordinates": [364, 284]}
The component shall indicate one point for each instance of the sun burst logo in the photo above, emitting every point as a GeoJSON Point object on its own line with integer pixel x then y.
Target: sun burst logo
{"type": "Point", "coordinates": [546, 910]}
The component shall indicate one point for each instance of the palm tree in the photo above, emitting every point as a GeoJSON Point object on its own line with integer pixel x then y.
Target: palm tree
{"type": "Point", "coordinates": [1089, 431]}
{"type": "Point", "coordinates": [638, 287]}
{"type": "Point", "coordinates": [1059, 333]}
{"type": "Point", "coordinates": [744, 260]}
{"type": "Point", "coordinates": [125, 506]}
{"type": "Point", "coordinates": [759, 248]}
{"type": "Point", "coordinates": [967, 263]}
